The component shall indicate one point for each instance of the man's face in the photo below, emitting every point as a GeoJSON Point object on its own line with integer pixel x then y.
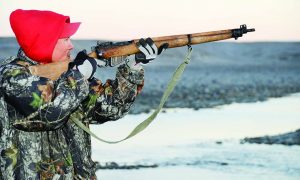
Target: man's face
{"type": "Point", "coordinates": [62, 50]}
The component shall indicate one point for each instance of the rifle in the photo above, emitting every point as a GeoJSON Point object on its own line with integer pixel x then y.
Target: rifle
{"type": "Point", "coordinates": [108, 50]}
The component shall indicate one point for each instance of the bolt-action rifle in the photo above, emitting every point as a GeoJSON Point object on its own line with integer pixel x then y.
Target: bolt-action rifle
{"type": "Point", "coordinates": [107, 51]}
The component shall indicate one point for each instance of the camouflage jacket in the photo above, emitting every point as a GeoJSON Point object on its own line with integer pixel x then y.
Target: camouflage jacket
{"type": "Point", "coordinates": [38, 141]}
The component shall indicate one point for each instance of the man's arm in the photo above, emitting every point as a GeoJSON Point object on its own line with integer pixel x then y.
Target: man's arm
{"type": "Point", "coordinates": [112, 99]}
{"type": "Point", "coordinates": [44, 104]}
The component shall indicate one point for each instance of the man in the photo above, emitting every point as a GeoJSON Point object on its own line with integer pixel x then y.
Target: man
{"type": "Point", "coordinates": [38, 140]}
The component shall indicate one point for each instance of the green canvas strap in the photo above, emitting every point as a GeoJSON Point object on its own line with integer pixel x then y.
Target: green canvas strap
{"type": "Point", "coordinates": [143, 125]}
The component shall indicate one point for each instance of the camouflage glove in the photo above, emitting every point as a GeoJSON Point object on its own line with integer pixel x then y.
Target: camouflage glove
{"type": "Point", "coordinates": [86, 65]}
{"type": "Point", "coordinates": [149, 50]}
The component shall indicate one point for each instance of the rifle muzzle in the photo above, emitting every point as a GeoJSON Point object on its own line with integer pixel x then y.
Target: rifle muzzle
{"type": "Point", "coordinates": [236, 33]}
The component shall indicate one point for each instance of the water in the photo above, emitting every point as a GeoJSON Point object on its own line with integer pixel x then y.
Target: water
{"type": "Point", "coordinates": [183, 143]}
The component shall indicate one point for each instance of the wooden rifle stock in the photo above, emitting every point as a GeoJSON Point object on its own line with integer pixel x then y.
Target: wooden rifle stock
{"type": "Point", "coordinates": [54, 70]}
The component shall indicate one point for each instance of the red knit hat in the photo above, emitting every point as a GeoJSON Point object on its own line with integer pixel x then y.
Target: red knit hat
{"type": "Point", "coordinates": [38, 31]}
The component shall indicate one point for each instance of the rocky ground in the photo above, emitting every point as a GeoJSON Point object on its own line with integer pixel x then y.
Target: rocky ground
{"type": "Point", "coordinates": [291, 138]}
{"type": "Point", "coordinates": [114, 165]}
{"type": "Point", "coordinates": [222, 74]}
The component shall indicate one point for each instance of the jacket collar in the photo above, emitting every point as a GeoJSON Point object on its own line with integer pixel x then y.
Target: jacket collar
{"type": "Point", "coordinates": [22, 56]}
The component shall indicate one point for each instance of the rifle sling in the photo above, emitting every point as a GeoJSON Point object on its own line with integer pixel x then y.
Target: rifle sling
{"type": "Point", "coordinates": [144, 124]}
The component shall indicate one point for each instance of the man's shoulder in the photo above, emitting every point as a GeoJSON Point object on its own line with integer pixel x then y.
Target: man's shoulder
{"type": "Point", "coordinates": [7, 61]}
{"type": "Point", "coordinates": [14, 62]}
{"type": "Point", "coordinates": [12, 67]}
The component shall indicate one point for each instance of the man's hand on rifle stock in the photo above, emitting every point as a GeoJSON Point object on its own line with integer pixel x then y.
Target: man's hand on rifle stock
{"type": "Point", "coordinates": [149, 50]}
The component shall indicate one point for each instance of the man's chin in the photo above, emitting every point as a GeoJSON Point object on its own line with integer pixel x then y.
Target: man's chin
{"type": "Point", "coordinates": [62, 60]}
{"type": "Point", "coordinates": [68, 58]}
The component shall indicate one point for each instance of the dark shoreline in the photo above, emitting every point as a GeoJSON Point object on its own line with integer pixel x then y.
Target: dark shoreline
{"type": "Point", "coordinates": [290, 138]}
{"type": "Point", "coordinates": [114, 166]}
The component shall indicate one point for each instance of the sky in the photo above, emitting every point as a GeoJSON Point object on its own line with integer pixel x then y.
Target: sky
{"type": "Point", "coordinates": [274, 20]}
